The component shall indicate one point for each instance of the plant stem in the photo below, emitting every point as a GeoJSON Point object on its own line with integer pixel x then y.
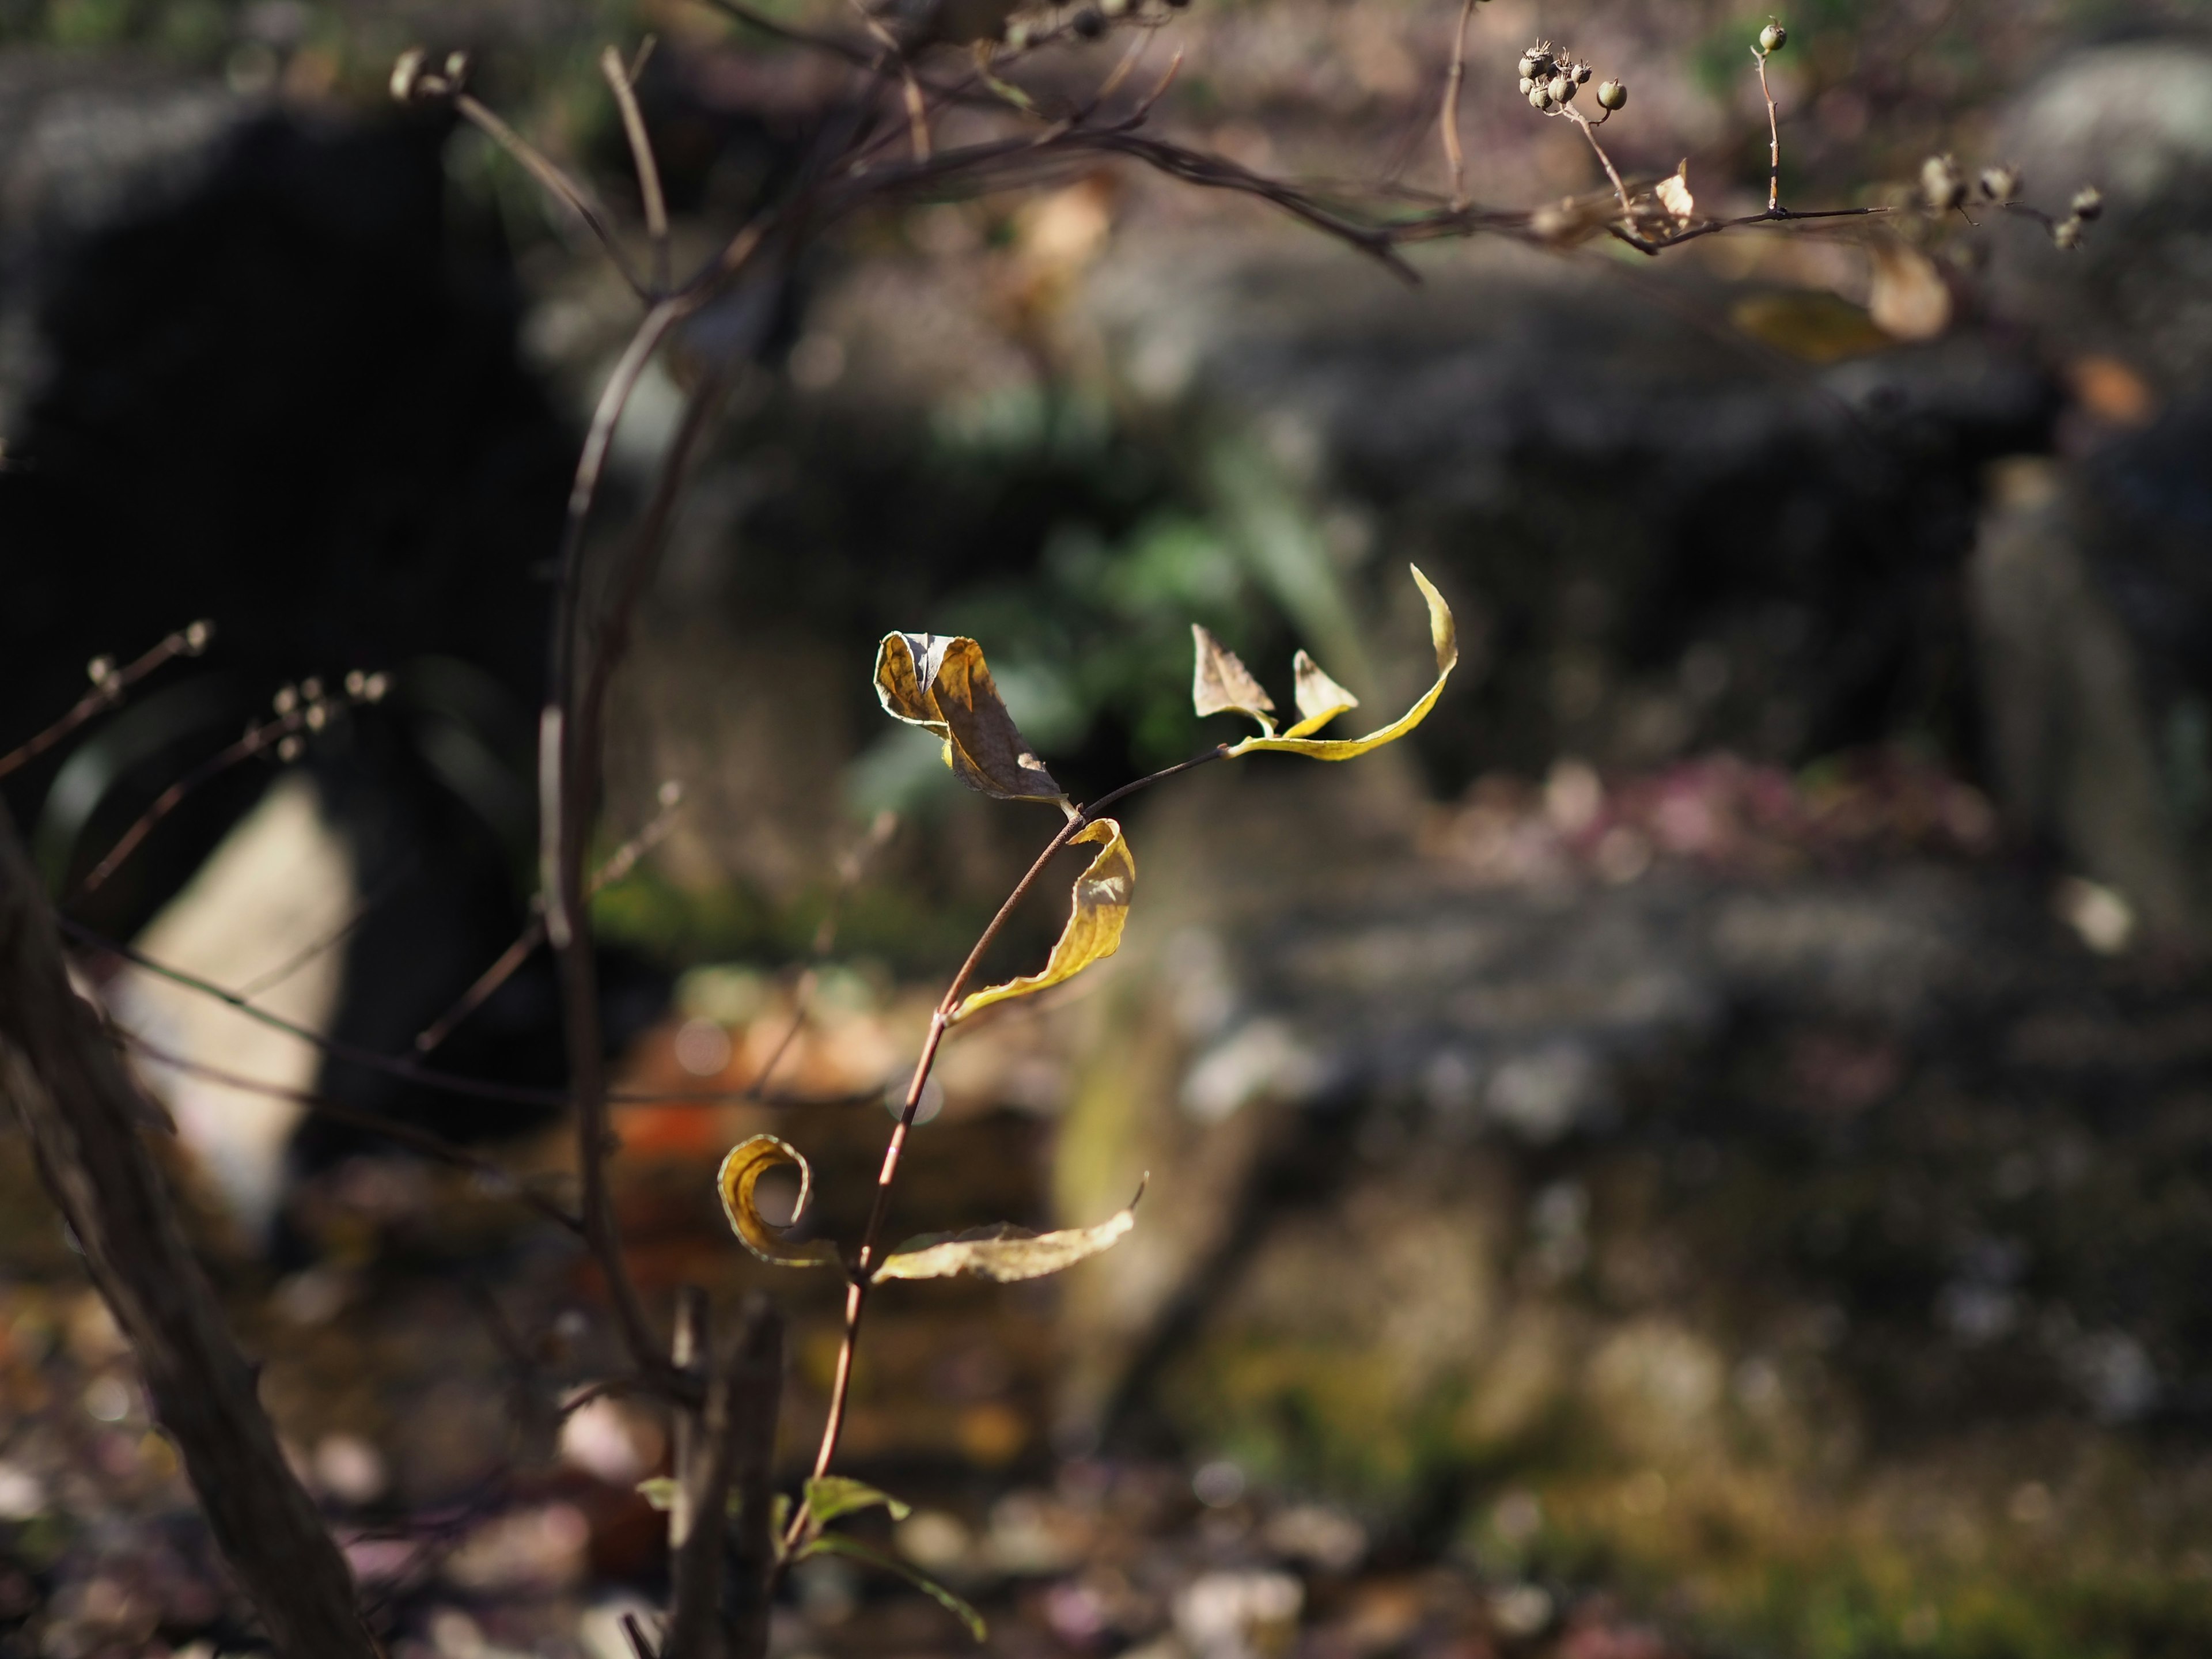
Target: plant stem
{"type": "Point", "coordinates": [856, 1292]}
{"type": "Point", "coordinates": [1773, 138]}
{"type": "Point", "coordinates": [1448, 118]}
{"type": "Point", "coordinates": [1605, 161]}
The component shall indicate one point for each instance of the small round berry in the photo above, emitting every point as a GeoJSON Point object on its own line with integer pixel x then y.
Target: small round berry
{"type": "Point", "coordinates": [1529, 65]}
{"type": "Point", "coordinates": [1564, 89]}
{"type": "Point", "coordinates": [1612, 94]}
{"type": "Point", "coordinates": [1773, 37]}
{"type": "Point", "coordinates": [2088, 202]}
{"type": "Point", "coordinates": [1527, 86]}
{"type": "Point", "coordinates": [1582, 72]}
{"type": "Point", "coordinates": [1538, 98]}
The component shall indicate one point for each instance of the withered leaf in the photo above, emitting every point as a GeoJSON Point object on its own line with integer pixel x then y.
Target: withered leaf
{"type": "Point", "coordinates": [1099, 907]}
{"type": "Point", "coordinates": [748, 1160]}
{"type": "Point", "coordinates": [1221, 684]}
{"type": "Point", "coordinates": [1321, 699]}
{"type": "Point", "coordinates": [1908, 299]}
{"type": "Point", "coordinates": [1441, 634]}
{"type": "Point", "coordinates": [1004, 1252]}
{"type": "Point", "coordinates": [1674, 195]}
{"type": "Point", "coordinates": [942, 684]}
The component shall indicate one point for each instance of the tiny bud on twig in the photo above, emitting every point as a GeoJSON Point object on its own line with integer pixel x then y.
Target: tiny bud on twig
{"type": "Point", "coordinates": [1773, 37]}
{"type": "Point", "coordinates": [1942, 184]}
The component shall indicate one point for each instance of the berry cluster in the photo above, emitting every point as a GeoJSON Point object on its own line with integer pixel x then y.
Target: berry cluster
{"type": "Point", "coordinates": [1550, 80]}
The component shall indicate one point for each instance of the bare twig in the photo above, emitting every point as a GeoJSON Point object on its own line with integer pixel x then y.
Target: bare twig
{"type": "Point", "coordinates": [295, 714]}
{"type": "Point", "coordinates": [77, 1105]}
{"type": "Point", "coordinates": [495, 1175]}
{"type": "Point", "coordinates": [617, 866]}
{"type": "Point", "coordinates": [541, 167]}
{"type": "Point", "coordinates": [1773, 137]}
{"type": "Point", "coordinates": [1448, 118]}
{"type": "Point", "coordinates": [109, 685]}
{"type": "Point", "coordinates": [1605, 161]}
{"type": "Point", "coordinates": [623, 81]}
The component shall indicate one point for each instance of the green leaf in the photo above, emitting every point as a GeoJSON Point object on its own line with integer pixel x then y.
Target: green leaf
{"type": "Point", "coordinates": [1099, 907]}
{"type": "Point", "coordinates": [829, 1496]}
{"type": "Point", "coordinates": [660, 1492]}
{"type": "Point", "coordinates": [1005, 1253]}
{"type": "Point", "coordinates": [833, 1543]}
{"type": "Point", "coordinates": [1441, 634]}
{"type": "Point", "coordinates": [748, 1160]}
{"type": "Point", "coordinates": [942, 685]}
{"type": "Point", "coordinates": [1221, 684]}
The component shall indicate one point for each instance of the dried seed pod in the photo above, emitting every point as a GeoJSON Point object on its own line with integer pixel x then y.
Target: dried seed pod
{"type": "Point", "coordinates": [1773, 37]}
{"type": "Point", "coordinates": [1613, 95]}
{"type": "Point", "coordinates": [2088, 202]}
{"type": "Point", "coordinates": [2067, 232]}
{"type": "Point", "coordinates": [1564, 89]}
{"type": "Point", "coordinates": [290, 749]}
{"type": "Point", "coordinates": [1538, 98]}
{"type": "Point", "coordinates": [1527, 86]}
{"type": "Point", "coordinates": [99, 670]}
{"type": "Point", "coordinates": [1582, 72]}
{"type": "Point", "coordinates": [196, 637]}
{"type": "Point", "coordinates": [2001, 184]}
{"type": "Point", "coordinates": [1941, 185]}
{"type": "Point", "coordinates": [407, 75]}
{"type": "Point", "coordinates": [1089, 24]}
{"type": "Point", "coordinates": [286, 700]}
{"type": "Point", "coordinates": [1529, 65]}
{"type": "Point", "coordinates": [1114, 8]}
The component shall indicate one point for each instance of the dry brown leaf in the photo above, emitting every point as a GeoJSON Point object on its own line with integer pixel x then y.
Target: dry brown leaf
{"type": "Point", "coordinates": [1221, 684]}
{"type": "Point", "coordinates": [1095, 918]}
{"type": "Point", "coordinates": [942, 684]}
{"type": "Point", "coordinates": [748, 1160]}
{"type": "Point", "coordinates": [1004, 1252]}
{"type": "Point", "coordinates": [1441, 634]}
{"type": "Point", "coordinates": [1909, 299]}
{"type": "Point", "coordinates": [1674, 195]}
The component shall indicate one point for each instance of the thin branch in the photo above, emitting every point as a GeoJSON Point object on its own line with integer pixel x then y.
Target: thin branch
{"type": "Point", "coordinates": [1448, 118]}
{"type": "Point", "coordinates": [409, 1070]}
{"type": "Point", "coordinates": [1605, 161]}
{"type": "Point", "coordinates": [108, 691]}
{"type": "Point", "coordinates": [543, 169]}
{"type": "Point", "coordinates": [616, 867]}
{"type": "Point", "coordinates": [330, 941]}
{"type": "Point", "coordinates": [433, 1147]}
{"type": "Point", "coordinates": [1773, 137]}
{"type": "Point", "coordinates": [623, 81]}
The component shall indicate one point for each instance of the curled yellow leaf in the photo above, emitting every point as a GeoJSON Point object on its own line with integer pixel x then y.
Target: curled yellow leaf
{"type": "Point", "coordinates": [1004, 1252]}
{"type": "Point", "coordinates": [1221, 684]}
{"type": "Point", "coordinates": [1320, 698]}
{"type": "Point", "coordinates": [1441, 634]}
{"type": "Point", "coordinates": [748, 1160]}
{"type": "Point", "coordinates": [942, 685]}
{"type": "Point", "coordinates": [1095, 918]}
